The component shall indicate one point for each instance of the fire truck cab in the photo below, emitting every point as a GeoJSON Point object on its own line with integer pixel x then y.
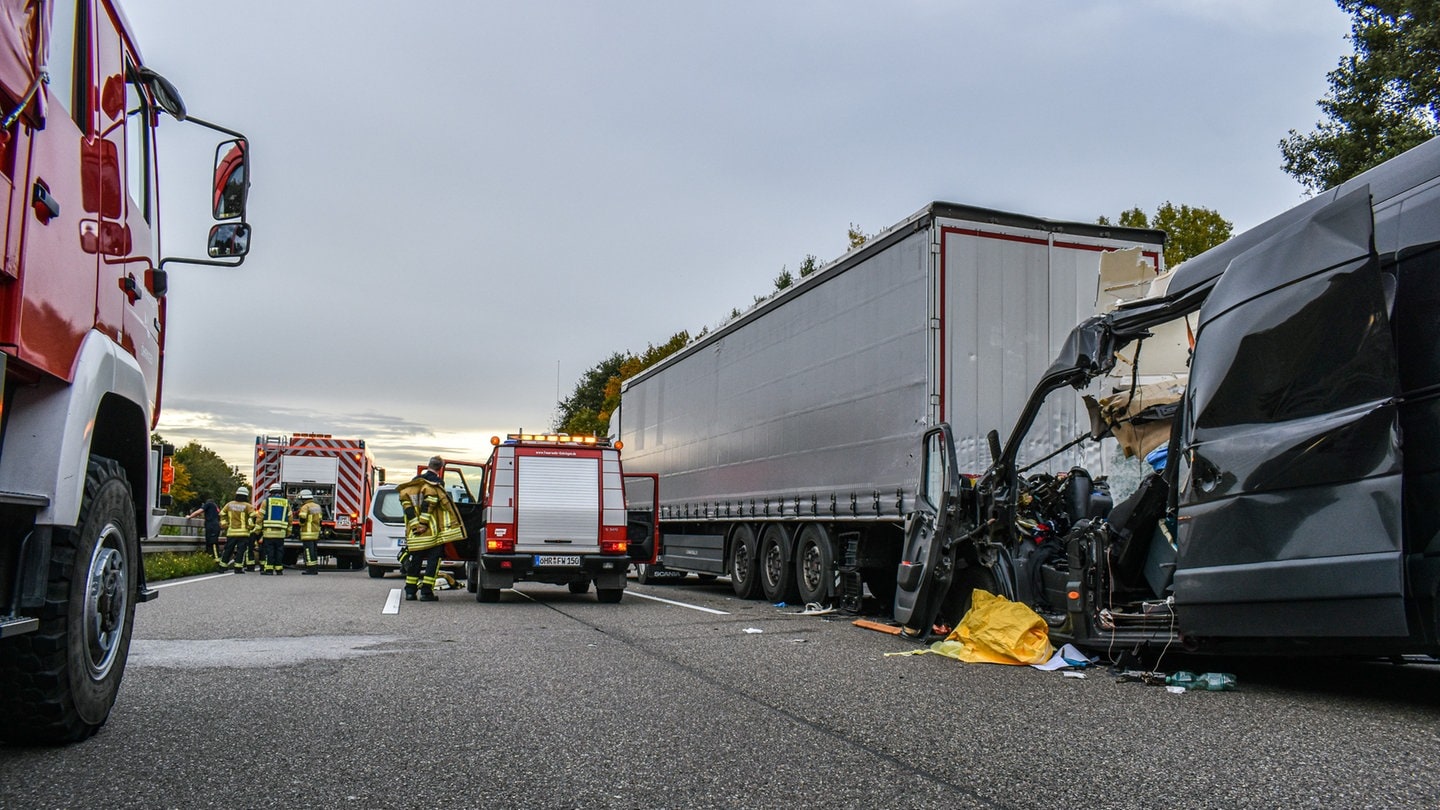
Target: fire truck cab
{"type": "Point", "coordinates": [556, 512]}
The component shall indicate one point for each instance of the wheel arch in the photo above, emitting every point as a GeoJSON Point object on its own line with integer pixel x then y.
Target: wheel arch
{"type": "Point", "coordinates": [54, 427]}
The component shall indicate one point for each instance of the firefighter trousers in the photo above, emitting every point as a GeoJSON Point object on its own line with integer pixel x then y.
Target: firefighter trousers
{"type": "Point", "coordinates": [274, 553]}
{"type": "Point", "coordinates": [420, 568]}
{"type": "Point", "coordinates": [236, 545]}
{"type": "Point", "coordinates": [312, 555]}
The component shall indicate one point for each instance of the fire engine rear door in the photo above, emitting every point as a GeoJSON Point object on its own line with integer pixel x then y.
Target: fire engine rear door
{"type": "Point", "coordinates": [642, 509]}
{"type": "Point", "coordinates": [1290, 478]}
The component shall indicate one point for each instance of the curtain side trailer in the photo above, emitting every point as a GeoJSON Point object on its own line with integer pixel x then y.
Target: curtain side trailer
{"type": "Point", "coordinates": [786, 441]}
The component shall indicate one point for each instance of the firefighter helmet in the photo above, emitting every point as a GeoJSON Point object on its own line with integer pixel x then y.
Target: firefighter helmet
{"type": "Point", "coordinates": [306, 494]}
{"type": "Point", "coordinates": [275, 488]}
{"type": "Point", "coordinates": [242, 492]}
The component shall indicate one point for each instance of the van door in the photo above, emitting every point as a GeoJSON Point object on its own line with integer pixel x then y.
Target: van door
{"type": "Point", "coordinates": [1290, 477]}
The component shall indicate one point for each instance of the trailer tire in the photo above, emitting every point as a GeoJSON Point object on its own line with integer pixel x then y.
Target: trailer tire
{"type": "Point", "coordinates": [815, 565]}
{"type": "Point", "coordinates": [487, 595]}
{"type": "Point", "coordinates": [59, 682]}
{"type": "Point", "coordinates": [579, 586]}
{"type": "Point", "coordinates": [744, 563]}
{"type": "Point", "coordinates": [777, 570]}
{"type": "Point", "coordinates": [610, 596]}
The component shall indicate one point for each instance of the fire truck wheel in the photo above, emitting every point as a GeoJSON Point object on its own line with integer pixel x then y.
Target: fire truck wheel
{"type": "Point", "coordinates": [487, 595]}
{"type": "Point", "coordinates": [644, 573]}
{"type": "Point", "coordinates": [609, 595]}
{"type": "Point", "coordinates": [744, 563]}
{"type": "Point", "coordinates": [579, 586]}
{"type": "Point", "coordinates": [471, 577]}
{"type": "Point", "coordinates": [61, 680]}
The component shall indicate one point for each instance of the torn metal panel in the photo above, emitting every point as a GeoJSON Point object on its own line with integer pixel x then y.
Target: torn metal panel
{"type": "Point", "coordinates": [1292, 459]}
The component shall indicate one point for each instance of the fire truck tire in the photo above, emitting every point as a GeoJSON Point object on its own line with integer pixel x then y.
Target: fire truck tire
{"type": "Point", "coordinates": [59, 682]}
{"type": "Point", "coordinates": [290, 556]}
{"type": "Point", "coordinates": [815, 565]}
{"type": "Point", "coordinates": [487, 595]}
{"type": "Point", "coordinates": [777, 570]}
{"type": "Point", "coordinates": [579, 586]}
{"type": "Point", "coordinates": [744, 563]}
{"type": "Point", "coordinates": [376, 572]}
{"type": "Point", "coordinates": [644, 573]}
{"type": "Point", "coordinates": [471, 577]}
{"type": "Point", "coordinates": [609, 595]}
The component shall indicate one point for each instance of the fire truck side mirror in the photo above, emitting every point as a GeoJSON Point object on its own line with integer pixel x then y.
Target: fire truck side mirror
{"type": "Point", "coordinates": [232, 180]}
{"type": "Point", "coordinates": [229, 239]}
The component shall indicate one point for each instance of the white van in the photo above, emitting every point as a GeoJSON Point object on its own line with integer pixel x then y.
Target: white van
{"type": "Point", "coordinates": [386, 531]}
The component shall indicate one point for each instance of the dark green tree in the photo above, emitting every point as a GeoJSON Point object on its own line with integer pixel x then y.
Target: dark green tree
{"type": "Point", "coordinates": [1190, 231]}
{"type": "Point", "coordinates": [784, 279]}
{"type": "Point", "coordinates": [1383, 99]}
{"type": "Point", "coordinates": [577, 412]}
{"type": "Point", "coordinates": [209, 476]}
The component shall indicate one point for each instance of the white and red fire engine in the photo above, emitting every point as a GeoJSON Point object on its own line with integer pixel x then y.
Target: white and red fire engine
{"type": "Point", "coordinates": [340, 473]}
{"type": "Point", "coordinates": [556, 511]}
{"type": "Point", "coordinates": [82, 339]}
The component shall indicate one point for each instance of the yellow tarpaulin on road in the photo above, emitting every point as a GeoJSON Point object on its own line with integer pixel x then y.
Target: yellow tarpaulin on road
{"type": "Point", "coordinates": [997, 631]}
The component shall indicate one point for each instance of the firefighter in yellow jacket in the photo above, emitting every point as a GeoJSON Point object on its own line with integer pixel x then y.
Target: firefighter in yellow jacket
{"type": "Point", "coordinates": [238, 520]}
{"type": "Point", "coordinates": [274, 525]}
{"type": "Point", "coordinates": [430, 522]}
{"type": "Point", "coordinates": [310, 514]}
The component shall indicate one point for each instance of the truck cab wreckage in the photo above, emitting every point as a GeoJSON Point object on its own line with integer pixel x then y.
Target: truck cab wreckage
{"type": "Point", "coordinates": [1295, 512]}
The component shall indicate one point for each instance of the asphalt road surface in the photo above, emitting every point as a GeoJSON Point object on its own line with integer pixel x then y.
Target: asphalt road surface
{"type": "Point", "coordinates": [251, 691]}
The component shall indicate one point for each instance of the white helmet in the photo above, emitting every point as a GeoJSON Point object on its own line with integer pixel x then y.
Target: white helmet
{"type": "Point", "coordinates": [243, 492]}
{"type": "Point", "coordinates": [306, 494]}
{"type": "Point", "coordinates": [274, 487]}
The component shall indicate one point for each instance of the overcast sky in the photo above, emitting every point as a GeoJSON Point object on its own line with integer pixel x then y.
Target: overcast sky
{"type": "Point", "coordinates": [457, 204]}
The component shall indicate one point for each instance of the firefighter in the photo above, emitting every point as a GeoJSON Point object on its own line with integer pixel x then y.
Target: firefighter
{"type": "Point", "coordinates": [430, 522]}
{"type": "Point", "coordinates": [309, 515]}
{"type": "Point", "coordinates": [274, 525]}
{"type": "Point", "coordinates": [238, 521]}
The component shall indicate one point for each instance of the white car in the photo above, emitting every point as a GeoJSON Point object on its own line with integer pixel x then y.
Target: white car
{"type": "Point", "coordinates": [386, 533]}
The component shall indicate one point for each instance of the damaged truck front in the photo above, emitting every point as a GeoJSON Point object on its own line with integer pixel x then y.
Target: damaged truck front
{"type": "Point", "coordinates": [1293, 504]}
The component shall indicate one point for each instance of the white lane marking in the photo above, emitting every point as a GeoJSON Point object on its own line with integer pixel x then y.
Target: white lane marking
{"type": "Point", "coordinates": [677, 604]}
{"type": "Point", "coordinates": [392, 602]}
{"type": "Point", "coordinates": [188, 581]}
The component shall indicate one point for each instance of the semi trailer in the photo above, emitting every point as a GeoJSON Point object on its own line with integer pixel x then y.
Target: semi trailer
{"type": "Point", "coordinates": [787, 441]}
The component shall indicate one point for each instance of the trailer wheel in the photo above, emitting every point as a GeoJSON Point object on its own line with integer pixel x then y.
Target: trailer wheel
{"type": "Point", "coordinates": [59, 682]}
{"type": "Point", "coordinates": [579, 586]}
{"type": "Point", "coordinates": [777, 571]}
{"type": "Point", "coordinates": [609, 595]}
{"type": "Point", "coordinates": [815, 565]}
{"type": "Point", "coordinates": [487, 595]}
{"type": "Point", "coordinates": [744, 563]}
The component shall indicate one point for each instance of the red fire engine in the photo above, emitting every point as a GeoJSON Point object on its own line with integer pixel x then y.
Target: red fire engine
{"type": "Point", "coordinates": [340, 473]}
{"type": "Point", "coordinates": [82, 337]}
{"type": "Point", "coordinates": [559, 509]}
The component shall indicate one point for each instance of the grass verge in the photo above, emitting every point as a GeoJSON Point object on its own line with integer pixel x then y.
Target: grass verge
{"type": "Point", "coordinates": [169, 565]}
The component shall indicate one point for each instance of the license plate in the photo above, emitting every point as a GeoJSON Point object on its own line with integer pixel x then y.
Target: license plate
{"type": "Point", "coordinates": [557, 559]}
{"type": "Point", "coordinates": [342, 522]}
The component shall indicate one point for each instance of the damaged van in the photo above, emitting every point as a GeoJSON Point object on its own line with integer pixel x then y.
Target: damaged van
{"type": "Point", "coordinates": [1293, 503]}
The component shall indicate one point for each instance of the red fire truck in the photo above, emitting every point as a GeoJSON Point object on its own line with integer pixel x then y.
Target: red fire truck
{"type": "Point", "coordinates": [559, 509]}
{"type": "Point", "coordinates": [340, 473]}
{"type": "Point", "coordinates": [82, 338]}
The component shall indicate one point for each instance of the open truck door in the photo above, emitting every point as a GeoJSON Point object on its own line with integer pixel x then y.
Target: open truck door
{"type": "Point", "coordinates": [1290, 484]}
{"type": "Point", "coordinates": [465, 483]}
{"type": "Point", "coordinates": [642, 507]}
{"type": "Point", "coordinates": [927, 563]}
